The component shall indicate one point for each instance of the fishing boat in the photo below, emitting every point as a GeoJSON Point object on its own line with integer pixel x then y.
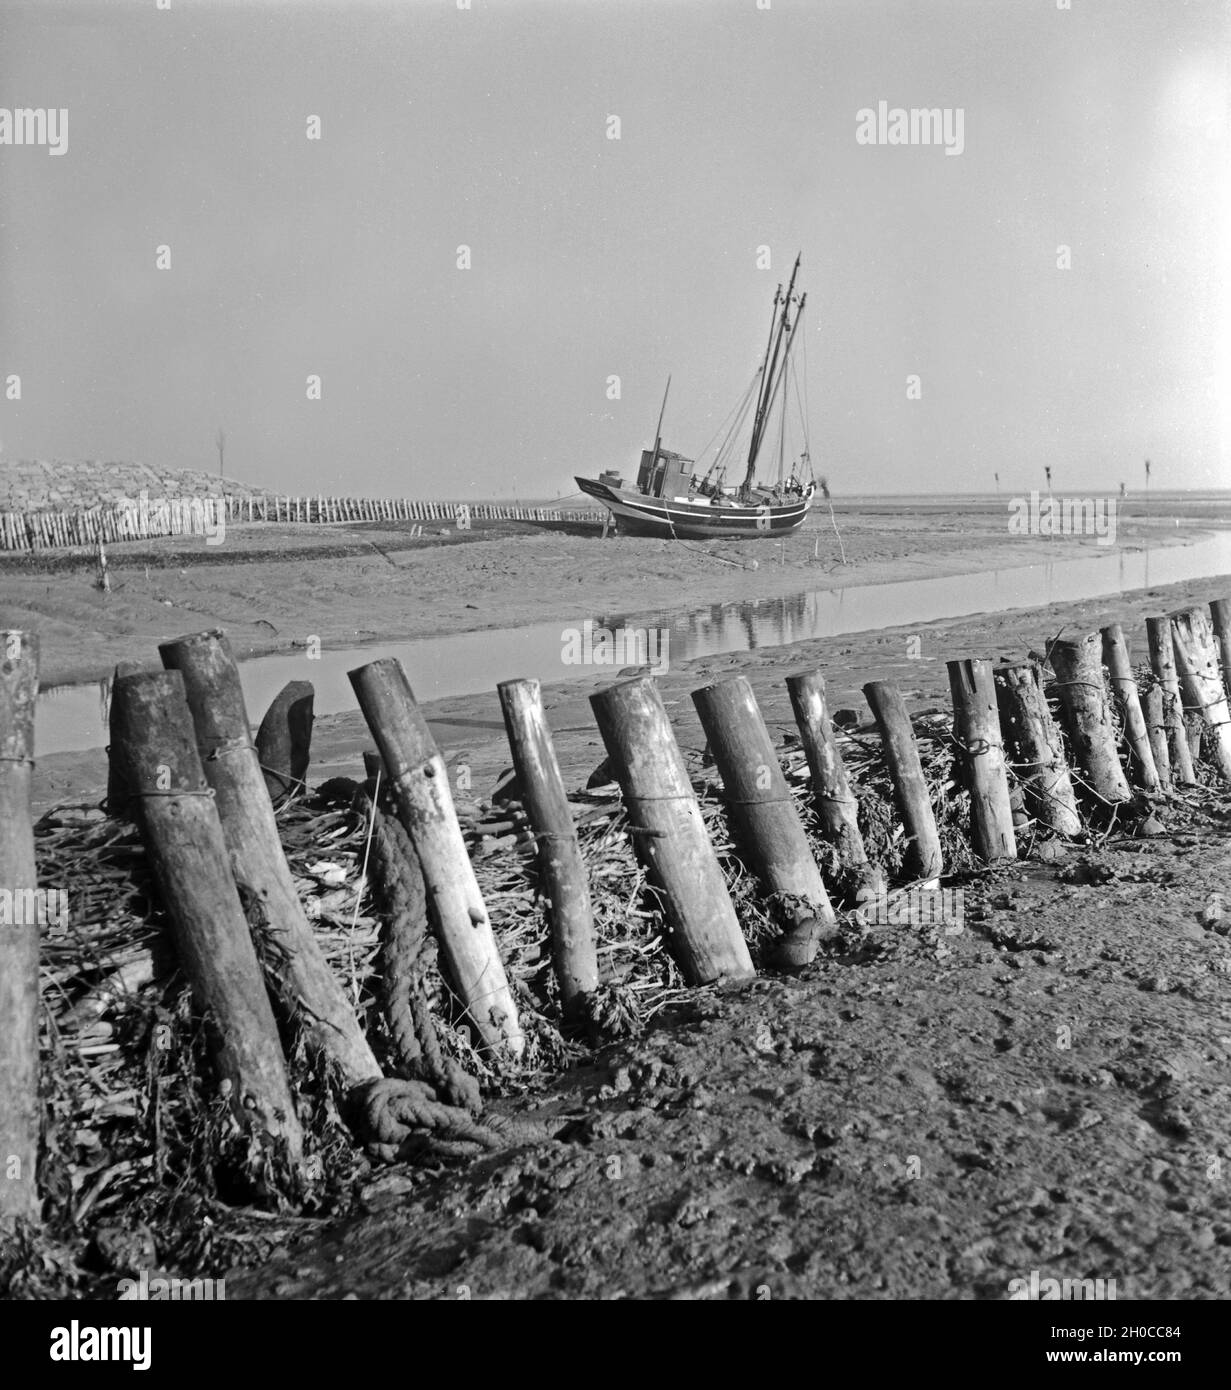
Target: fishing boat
{"type": "Point", "coordinates": [674, 499]}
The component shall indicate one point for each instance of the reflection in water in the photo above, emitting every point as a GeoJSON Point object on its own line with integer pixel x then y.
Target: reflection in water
{"type": "Point", "coordinates": [72, 701]}
{"type": "Point", "coordinates": [470, 662]}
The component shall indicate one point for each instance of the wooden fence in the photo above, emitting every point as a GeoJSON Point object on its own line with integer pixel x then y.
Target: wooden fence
{"type": "Point", "coordinates": [203, 516]}
{"type": "Point", "coordinates": [208, 822]}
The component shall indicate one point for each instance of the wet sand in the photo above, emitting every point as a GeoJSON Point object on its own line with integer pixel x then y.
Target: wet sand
{"type": "Point", "coordinates": [471, 732]}
{"type": "Point", "coordinates": [274, 587]}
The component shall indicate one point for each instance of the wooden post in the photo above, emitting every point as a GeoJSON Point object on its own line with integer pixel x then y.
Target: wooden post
{"type": "Point", "coordinates": [1124, 685]}
{"type": "Point", "coordinates": [232, 768]}
{"type": "Point", "coordinates": [1035, 748]}
{"type": "Point", "coordinates": [20, 1111]}
{"type": "Point", "coordinates": [767, 824]}
{"type": "Point", "coordinates": [1157, 729]}
{"type": "Point", "coordinates": [1162, 661]}
{"type": "Point", "coordinates": [1220, 616]}
{"type": "Point", "coordinates": [561, 866]}
{"type": "Point", "coordinates": [923, 858]}
{"type": "Point", "coordinates": [837, 811]}
{"type": "Point", "coordinates": [1196, 659]}
{"type": "Point", "coordinates": [188, 854]}
{"type": "Point", "coordinates": [118, 799]}
{"type": "Point", "coordinates": [976, 727]}
{"type": "Point", "coordinates": [419, 784]}
{"type": "Point", "coordinates": [669, 832]}
{"type": "Point", "coordinates": [1083, 699]}
{"type": "Point", "coordinates": [284, 740]}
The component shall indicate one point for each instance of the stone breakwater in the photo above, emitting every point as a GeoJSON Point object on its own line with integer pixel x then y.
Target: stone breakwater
{"type": "Point", "coordinates": [55, 485]}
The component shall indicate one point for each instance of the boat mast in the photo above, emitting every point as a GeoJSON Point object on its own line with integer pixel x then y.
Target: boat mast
{"type": "Point", "coordinates": [768, 390]}
{"type": "Point", "coordinates": [761, 388]}
{"type": "Point", "coordinates": [658, 436]}
{"type": "Point", "coordinates": [779, 384]}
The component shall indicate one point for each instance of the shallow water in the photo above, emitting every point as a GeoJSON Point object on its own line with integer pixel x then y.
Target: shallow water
{"type": "Point", "coordinates": [466, 663]}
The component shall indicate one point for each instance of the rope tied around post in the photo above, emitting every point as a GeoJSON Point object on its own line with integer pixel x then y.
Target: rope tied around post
{"type": "Point", "coordinates": [174, 791]}
{"type": "Point", "coordinates": [215, 748]}
{"type": "Point", "coordinates": [637, 798]}
{"type": "Point", "coordinates": [398, 884]}
{"type": "Point", "coordinates": [759, 801]}
{"type": "Point", "coordinates": [979, 747]}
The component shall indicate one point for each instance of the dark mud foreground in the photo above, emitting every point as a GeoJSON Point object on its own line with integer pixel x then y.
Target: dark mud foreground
{"type": "Point", "coordinates": [920, 1115]}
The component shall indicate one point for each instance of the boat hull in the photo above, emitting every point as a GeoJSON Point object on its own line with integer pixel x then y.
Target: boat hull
{"type": "Point", "coordinates": [671, 520]}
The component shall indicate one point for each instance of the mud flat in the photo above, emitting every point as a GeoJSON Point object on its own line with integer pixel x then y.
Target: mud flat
{"type": "Point", "coordinates": [470, 727]}
{"type": "Point", "coordinates": [923, 1114]}
{"type": "Point", "coordinates": [274, 587]}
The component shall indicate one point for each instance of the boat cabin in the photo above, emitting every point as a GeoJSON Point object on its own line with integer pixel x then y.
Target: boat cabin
{"type": "Point", "coordinates": [668, 477]}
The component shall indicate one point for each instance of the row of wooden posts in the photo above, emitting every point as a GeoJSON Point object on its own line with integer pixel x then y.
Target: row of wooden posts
{"type": "Point", "coordinates": [200, 516]}
{"type": "Point", "coordinates": [184, 761]}
{"type": "Point", "coordinates": [86, 527]}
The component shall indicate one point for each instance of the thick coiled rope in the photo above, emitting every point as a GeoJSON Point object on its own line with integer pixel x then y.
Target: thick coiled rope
{"type": "Point", "coordinates": [397, 884]}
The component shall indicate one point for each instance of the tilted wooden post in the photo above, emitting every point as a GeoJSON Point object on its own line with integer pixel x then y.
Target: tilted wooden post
{"type": "Point", "coordinates": [19, 937]}
{"type": "Point", "coordinates": [1124, 686]}
{"type": "Point", "coordinates": [837, 810]}
{"type": "Point", "coordinates": [419, 785]}
{"type": "Point", "coordinates": [284, 740]}
{"type": "Point", "coordinates": [1083, 698]}
{"type": "Point", "coordinates": [188, 854]}
{"type": "Point", "coordinates": [1220, 617]}
{"type": "Point", "coordinates": [232, 768]}
{"type": "Point", "coordinates": [767, 823]}
{"type": "Point", "coordinates": [117, 803]}
{"type": "Point", "coordinates": [563, 870]}
{"type": "Point", "coordinates": [1035, 748]}
{"type": "Point", "coordinates": [1156, 728]}
{"type": "Point", "coordinates": [976, 727]}
{"type": "Point", "coordinates": [666, 823]}
{"type": "Point", "coordinates": [1162, 661]}
{"type": "Point", "coordinates": [1196, 659]}
{"type": "Point", "coordinates": [923, 858]}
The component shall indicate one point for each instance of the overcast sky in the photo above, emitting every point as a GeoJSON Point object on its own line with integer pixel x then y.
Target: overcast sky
{"type": "Point", "coordinates": [1103, 128]}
